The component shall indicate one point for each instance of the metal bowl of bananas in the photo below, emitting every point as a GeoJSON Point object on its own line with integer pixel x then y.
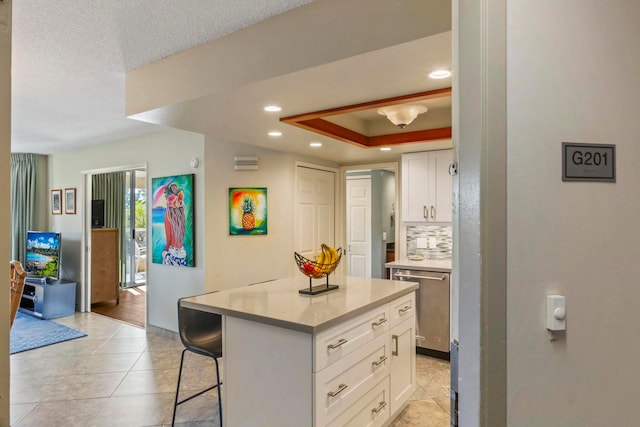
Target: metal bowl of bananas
{"type": "Point", "coordinates": [325, 262]}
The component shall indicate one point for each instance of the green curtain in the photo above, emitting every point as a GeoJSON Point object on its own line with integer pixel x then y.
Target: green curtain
{"type": "Point", "coordinates": [110, 187]}
{"type": "Point", "coordinates": [23, 199]}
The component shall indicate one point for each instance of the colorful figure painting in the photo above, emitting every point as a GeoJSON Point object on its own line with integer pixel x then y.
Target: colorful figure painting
{"type": "Point", "coordinates": [172, 220]}
{"type": "Point", "coordinates": [247, 211]}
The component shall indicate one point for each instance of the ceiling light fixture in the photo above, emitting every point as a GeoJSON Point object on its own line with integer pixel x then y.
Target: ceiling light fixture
{"type": "Point", "coordinates": [315, 144]}
{"type": "Point", "coordinates": [275, 133]}
{"type": "Point", "coordinates": [440, 74]}
{"type": "Point", "coordinates": [402, 114]}
{"type": "Point", "coordinates": [385, 148]}
{"type": "Point", "coordinates": [272, 108]}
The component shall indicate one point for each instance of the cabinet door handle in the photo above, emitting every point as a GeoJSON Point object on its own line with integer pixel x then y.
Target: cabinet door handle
{"type": "Point", "coordinates": [380, 407]}
{"type": "Point", "coordinates": [340, 389]}
{"type": "Point", "coordinates": [424, 212]}
{"type": "Point", "coordinates": [433, 212]}
{"type": "Point", "coordinates": [415, 276]}
{"type": "Point", "coordinates": [379, 362]}
{"type": "Point", "coordinates": [379, 322]}
{"type": "Point", "coordinates": [340, 342]}
{"type": "Point", "coordinates": [404, 309]}
{"type": "Point", "coordinates": [395, 341]}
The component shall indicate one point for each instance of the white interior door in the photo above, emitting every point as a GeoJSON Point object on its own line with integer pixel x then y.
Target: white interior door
{"type": "Point", "coordinates": [358, 226]}
{"type": "Point", "coordinates": [315, 218]}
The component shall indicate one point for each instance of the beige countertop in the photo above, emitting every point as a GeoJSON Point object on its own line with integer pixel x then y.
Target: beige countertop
{"type": "Point", "coordinates": [440, 265]}
{"type": "Point", "coordinates": [278, 302]}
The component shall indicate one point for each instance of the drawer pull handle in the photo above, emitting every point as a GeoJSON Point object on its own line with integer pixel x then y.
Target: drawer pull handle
{"type": "Point", "coordinates": [340, 389]}
{"type": "Point", "coordinates": [395, 340]}
{"type": "Point", "coordinates": [340, 342]}
{"type": "Point", "coordinates": [379, 322]}
{"type": "Point", "coordinates": [380, 407]}
{"type": "Point", "coordinates": [404, 309]}
{"type": "Point", "coordinates": [379, 361]}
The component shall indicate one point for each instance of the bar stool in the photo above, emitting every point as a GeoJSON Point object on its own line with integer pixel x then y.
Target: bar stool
{"type": "Point", "coordinates": [200, 333]}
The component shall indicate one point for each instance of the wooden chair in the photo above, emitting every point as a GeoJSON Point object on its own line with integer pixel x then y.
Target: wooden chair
{"type": "Point", "coordinates": [16, 278]}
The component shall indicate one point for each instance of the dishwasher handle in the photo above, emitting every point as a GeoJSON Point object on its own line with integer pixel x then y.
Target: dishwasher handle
{"type": "Point", "coordinates": [415, 276]}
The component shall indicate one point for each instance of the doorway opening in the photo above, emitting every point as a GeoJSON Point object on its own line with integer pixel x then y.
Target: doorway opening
{"type": "Point", "coordinates": [369, 219]}
{"type": "Point", "coordinates": [135, 263]}
{"type": "Point", "coordinates": [116, 267]}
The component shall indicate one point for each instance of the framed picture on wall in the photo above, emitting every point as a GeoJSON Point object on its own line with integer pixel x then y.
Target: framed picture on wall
{"type": "Point", "coordinates": [56, 202]}
{"type": "Point", "coordinates": [70, 200]}
{"type": "Point", "coordinates": [247, 211]}
{"type": "Point", "coordinates": [172, 228]}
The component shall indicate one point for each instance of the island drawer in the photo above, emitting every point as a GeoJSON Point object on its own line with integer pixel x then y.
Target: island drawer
{"type": "Point", "coordinates": [339, 341]}
{"type": "Point", "coordinates": [372, 410]}
{"type": "Point", "coordinates": [339, 386]}
{"type": "Point", "coordinates": [402, 308]}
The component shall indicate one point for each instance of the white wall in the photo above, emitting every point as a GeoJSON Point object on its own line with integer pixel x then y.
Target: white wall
{"type": "Point", "coordinates": [5, 213]}
{"type": "Point", "coordinates": [235, 261]}
{"type": "Point", "coordinates": [573, 70]}
{"type": "Point", "coordinates": [166, 153]}
{"type": "Point", "coordinates": [222, 261]}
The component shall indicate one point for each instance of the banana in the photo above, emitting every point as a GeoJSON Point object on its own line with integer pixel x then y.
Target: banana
{"type": "Point", "coordinates": [334, 254]}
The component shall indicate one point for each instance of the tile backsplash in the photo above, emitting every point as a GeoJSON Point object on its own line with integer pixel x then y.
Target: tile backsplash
{"type": "Point", "coordinates": [437, 240]}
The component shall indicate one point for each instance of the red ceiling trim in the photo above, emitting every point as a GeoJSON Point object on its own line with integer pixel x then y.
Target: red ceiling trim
{"type": "Point", "coordinates": [314, 122]}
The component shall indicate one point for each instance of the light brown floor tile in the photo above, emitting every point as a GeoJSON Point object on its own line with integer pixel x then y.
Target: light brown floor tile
{"type": "Point", "coordinates": [62, 413]}
{"type": "Point", "coordinates": [121, 375]}
{"type": "Point", "coordinates": [154, 360]}
{"type": "Point", "coordinates": [423, 413]}
{"type": "Point", "coordinates": [19, 410]}
{"type": "Point", "coordinates": [134, 411]}
{"type": "Point", "coordinates": [203, 408]}
{"type": "Point", "coordinates": [123, 345]}
{"type": "Point", "coordinates": [102, 363]}
{"type": "Point", "coordinates": [147, 382]}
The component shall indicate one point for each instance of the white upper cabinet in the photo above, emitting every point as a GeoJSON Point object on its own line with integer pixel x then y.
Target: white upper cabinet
{"type": "Point", "coordinates": [426, 186]}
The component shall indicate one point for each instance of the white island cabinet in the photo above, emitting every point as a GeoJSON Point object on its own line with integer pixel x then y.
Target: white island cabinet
{"type": "Point", "coordinates": [343, 358]}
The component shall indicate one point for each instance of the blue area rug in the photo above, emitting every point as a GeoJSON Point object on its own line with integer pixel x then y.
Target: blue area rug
{"type": "Point", "coordinates": [29, 332]}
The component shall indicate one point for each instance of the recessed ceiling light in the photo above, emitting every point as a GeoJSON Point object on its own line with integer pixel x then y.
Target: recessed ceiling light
{"type": "Point", "coordinates": [275, 133]}
{"type": "Point", "coordinates": [440, 74]}
{"type": "Point", "coordinates": [315, 144]}
{"type": "Point", "coordinates": [272, 108]}
{"type": "Point", "coordinates": [385, 148]}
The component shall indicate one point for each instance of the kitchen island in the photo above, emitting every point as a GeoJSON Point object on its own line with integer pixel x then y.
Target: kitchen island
{"type": "Point", "coordinates": [346, 357]}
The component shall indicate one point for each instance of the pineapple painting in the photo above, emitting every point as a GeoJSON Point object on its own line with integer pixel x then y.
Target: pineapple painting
{"type": "Point", "coordinates": [247, 211]}
{"type": "Point", "coordinates": [248, 218]}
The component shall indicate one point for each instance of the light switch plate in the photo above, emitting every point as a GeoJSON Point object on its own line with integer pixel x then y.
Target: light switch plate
{"type": "Point", "coordinates": [421, 243]}
{"type": "Point", "coordinates": [556, 314]}
{"type": "Point", "coordinates": [433, 242]}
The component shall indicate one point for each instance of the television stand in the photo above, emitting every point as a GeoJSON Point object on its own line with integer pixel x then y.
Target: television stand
{"type": "Point", "coordinates": [48, 299]}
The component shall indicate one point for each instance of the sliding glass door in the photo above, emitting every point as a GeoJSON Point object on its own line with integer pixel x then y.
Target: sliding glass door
{"type": "Point", "coordinates": [135, 228]}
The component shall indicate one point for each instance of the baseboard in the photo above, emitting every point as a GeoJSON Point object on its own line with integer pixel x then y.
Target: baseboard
{"type": "Point", "coordinates": [166, 333]}
{"type": "Point", "coordinates": [444, 355]}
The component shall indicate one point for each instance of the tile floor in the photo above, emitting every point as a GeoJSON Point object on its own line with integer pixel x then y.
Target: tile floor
{"type": "Point", "coordinates": [120, 375]}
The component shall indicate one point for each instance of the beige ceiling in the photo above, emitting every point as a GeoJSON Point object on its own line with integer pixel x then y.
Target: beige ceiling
{"type": "Point", "coordinates": [84, 103]}
{"type": "Point", "coordinates": [69, 59]}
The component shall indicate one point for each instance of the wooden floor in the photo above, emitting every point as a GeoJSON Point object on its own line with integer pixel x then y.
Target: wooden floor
{"type": "Point", "coordinates": [130, 310]}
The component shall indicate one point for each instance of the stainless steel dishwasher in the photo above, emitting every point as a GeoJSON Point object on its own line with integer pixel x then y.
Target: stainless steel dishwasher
{"type": "Point", "coordinates": [432, 308]}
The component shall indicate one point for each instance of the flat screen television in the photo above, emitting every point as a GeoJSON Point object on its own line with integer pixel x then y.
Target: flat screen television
{"type": "Point", "coordinates": [43, 254]}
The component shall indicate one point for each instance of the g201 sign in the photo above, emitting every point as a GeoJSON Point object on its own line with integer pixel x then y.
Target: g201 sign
{"type": "Point", "coordinates": [588, 162]}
